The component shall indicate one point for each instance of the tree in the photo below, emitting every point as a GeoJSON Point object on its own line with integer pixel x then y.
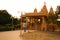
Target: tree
{"type": "Point", "coordinates": [4, 17]}
{"type": "Point", "coordinates": [57, 14]}
{"type": "Point", "coordinates": [6, 21]}
{"type": "Point", "coordinates": [16, 21]}
{"type": "Point", "coordinates": [52, 18]}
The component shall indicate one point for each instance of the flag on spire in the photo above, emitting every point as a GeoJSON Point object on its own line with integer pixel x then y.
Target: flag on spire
{"type": "Point", "coordinates": [44, 3]}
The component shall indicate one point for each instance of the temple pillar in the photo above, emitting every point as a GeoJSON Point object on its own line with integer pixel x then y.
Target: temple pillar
{"type": "Point", "coordinates": [27, 22]}
{"type": "Point", "coordinates": [21, 24]}
{"type": "Point", "coordinates": [43, 25]}
{"type": "Point", "coordinates": [31, 23]}
{"type": "Point", "coordinates": [21, 27]}
{"type": "Point", "coordinates": [35, 24]}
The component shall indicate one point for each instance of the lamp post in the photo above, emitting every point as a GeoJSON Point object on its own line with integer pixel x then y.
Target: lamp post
{"type": "Point", "coordinates": [12, 22]}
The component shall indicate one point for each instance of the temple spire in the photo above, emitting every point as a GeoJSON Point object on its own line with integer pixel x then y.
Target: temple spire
{"type": "Point", "coordinates": [51, 11]}
{"type": "Point", "coordinates": [35, 10]}
{"type": "Point", "coordinates": [44, 10]}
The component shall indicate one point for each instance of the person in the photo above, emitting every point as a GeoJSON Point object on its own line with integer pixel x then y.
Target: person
{"type": "Point", "coordinates": [24, 27]}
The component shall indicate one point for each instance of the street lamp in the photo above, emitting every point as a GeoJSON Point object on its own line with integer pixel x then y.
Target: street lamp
{"type": "Point", "coordinates": [12, 23]}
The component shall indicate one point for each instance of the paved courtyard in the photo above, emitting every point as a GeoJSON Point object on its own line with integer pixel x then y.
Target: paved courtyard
{"type": "Point", "coordinates": [40, 35]}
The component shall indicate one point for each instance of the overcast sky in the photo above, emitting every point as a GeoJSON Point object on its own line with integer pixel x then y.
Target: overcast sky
{"type": "Point", "coordinates": [15, 7]}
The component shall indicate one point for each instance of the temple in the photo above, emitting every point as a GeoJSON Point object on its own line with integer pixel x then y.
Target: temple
{"type": "Point", "coordinates": [36, 20]}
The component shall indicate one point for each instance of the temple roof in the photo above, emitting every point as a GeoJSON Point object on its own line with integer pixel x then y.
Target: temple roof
{"type": "Point", "coordinates": [43, 12]}
{"type": "Point", "coordinates": [33, 15]}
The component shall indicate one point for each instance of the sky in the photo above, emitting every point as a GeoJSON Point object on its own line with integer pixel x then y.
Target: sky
{"type": "Point", "coordinates": [15, 7]}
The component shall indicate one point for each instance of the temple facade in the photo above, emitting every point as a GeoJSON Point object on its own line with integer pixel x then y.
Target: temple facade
{"type": "Point", "coordinates": [36, 20]}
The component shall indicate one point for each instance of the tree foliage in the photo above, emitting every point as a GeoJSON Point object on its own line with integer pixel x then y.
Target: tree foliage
{"type": "Point", "coordinates": [6, 21]}
{"type": "Point", "coordinates": [58, 13]}
{"type": "Point", "coordinates": [52, 18]}
{"type": "Point", "coordinates": [16, 21]}
{"type": "Point", "coordinates": [4, 17]}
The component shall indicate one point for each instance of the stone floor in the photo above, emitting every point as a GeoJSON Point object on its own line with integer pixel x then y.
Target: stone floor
{"type": "Point", "coordinates": [40, 35]}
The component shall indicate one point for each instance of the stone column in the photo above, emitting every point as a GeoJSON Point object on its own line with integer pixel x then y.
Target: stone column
{"type": "Point", "coordinates": [35, 24]}
{"type": "Point", "coordinates": [21, 27]}
{"type": "Point", "coordinates": [21, 23]}
{"type": "Point", "coordinates": [43, 25]}
{"type": "Point", "coordinates": [26, 22]}
{"type": "Point", "coordinates": [31, 23]}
